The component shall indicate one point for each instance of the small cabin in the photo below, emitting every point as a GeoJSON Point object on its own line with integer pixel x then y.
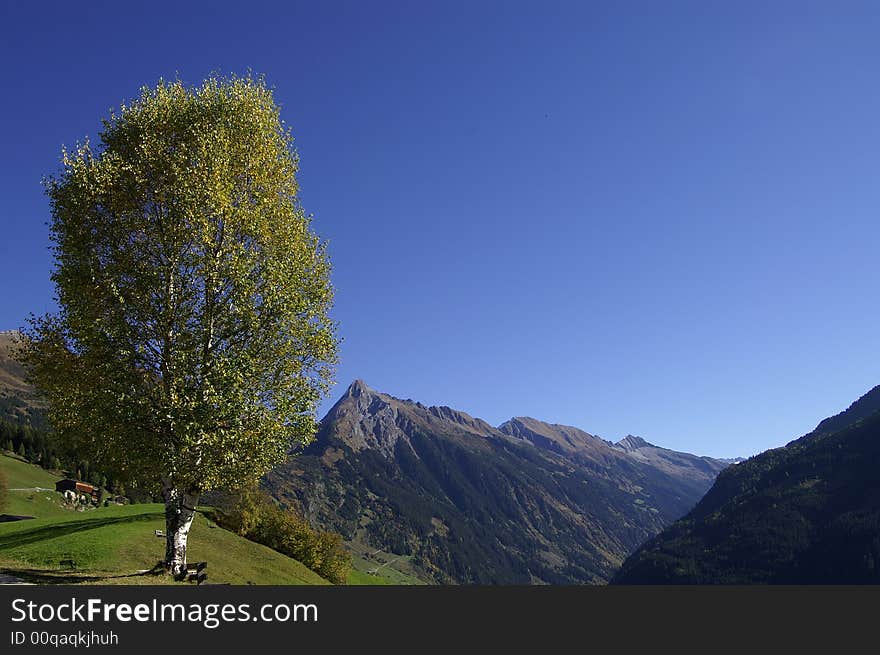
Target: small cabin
{"type": "Point", "coordinates": [76, 487]}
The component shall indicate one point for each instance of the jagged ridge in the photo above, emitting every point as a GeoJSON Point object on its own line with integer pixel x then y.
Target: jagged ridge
{"type": "Point", "coordinates": [524, 502]}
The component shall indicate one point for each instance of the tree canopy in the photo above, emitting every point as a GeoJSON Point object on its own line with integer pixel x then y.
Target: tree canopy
{"type": "Point", "coordinates": [192, 339]}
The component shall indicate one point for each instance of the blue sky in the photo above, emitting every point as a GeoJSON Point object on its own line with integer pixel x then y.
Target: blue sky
{"type": "Point", "coordinates": [632, 217]}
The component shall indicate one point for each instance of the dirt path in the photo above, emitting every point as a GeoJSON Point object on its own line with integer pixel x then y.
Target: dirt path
{"type": "Point", "coordinates": [11, 579]}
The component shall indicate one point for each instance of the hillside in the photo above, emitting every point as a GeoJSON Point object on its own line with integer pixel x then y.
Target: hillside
{"type": "Point", "coordinates": [111, 545]}
{"type": "Point", "coordinates": [460, 501]}
{"type": "Point", "coordinates": [678, 478]}
{"type": "Point", "coordinates": [807, 513]}
{"type": "Point", "coordinates": [22, 411]}
{"type": "Point", "coordinates": [31, 490]}
{"type": "Point", "coordinates": [18, 399]}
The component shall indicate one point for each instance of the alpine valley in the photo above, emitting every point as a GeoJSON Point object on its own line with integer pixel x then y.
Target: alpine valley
{"type": "Point", "coordinates": [526, 502]}
{"type": "Point", "coordinates": [448, 498]}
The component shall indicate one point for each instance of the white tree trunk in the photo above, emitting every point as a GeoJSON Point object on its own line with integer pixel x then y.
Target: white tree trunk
{"type": "Point", "coordinates": [179, 512]}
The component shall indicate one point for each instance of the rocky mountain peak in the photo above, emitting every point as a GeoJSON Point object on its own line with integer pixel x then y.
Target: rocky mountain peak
{"type": "Point", "coordinates": [357, 388]}
{"type": "Point", "coordinates": [630, 443]}
{"type": "Point", "coordinates": [368, 419]}
{"type": "Point", "coordinates": [363, 419]}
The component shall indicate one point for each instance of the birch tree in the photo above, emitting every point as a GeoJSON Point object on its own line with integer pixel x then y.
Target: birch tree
{"type": "Point", "coordinates": [192, 340]}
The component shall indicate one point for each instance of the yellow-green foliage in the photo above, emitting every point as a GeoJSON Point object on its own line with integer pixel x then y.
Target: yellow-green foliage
{"type": "Point", "coordinates": [254, 515]}
{"type": "Point", "coordinates": [192, 341]}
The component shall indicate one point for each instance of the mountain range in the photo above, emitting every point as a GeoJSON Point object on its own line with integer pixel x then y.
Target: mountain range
{"type": "Point", "coordinates": [524, 502]}
{"type": "Point", "coordinates": [466, 502]}
{"type": "Point", "coordinates": [806, 513]}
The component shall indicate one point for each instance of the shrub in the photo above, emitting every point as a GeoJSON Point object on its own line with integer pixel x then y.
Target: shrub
{"type": "Point", "coordinates": [255, 516]}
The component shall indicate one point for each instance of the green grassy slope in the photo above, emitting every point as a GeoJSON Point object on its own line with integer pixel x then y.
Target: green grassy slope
{"type": "Point", "coordinates": [20, 473]}
{"type": "Point", "coordinates": [359, 578]}
{"type": "Point", "coordinates": [27, 495]}
{"type": "Point", "coordinates": [377, 567]}
{"type": "Point", "coordinates": [110, 545]}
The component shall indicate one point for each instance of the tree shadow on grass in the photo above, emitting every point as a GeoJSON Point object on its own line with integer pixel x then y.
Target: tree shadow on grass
{"type": "Point", "coordinates": [24, 538]}
{"type": "Point", "coordinates": [50, 577]}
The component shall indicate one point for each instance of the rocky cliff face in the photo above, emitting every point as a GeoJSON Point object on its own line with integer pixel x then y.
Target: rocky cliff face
{"type": "Point", "coordinates": [364, 419]}
{"type": "Point", "coordinates": [527, 502]}
{"type": "Point", "coordinates": [631, 444]}
{"type": "Point", "coordinates": [561, 439]}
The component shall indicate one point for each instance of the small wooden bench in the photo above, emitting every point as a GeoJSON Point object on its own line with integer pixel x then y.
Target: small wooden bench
{"type": "Point", "coordinates": [195, 572]}
{"type": "Point", "coordinates": [198, 578]}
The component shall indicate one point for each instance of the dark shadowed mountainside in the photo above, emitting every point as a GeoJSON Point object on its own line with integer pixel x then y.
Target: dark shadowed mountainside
{"type": "Point", "coordinates": [807, 513]}
{"type": "Point", "coordinates": [527, 502]}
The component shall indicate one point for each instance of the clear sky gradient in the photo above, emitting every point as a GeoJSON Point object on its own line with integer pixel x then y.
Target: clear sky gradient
{"type": "Point", "coordinates": [632, 217]}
